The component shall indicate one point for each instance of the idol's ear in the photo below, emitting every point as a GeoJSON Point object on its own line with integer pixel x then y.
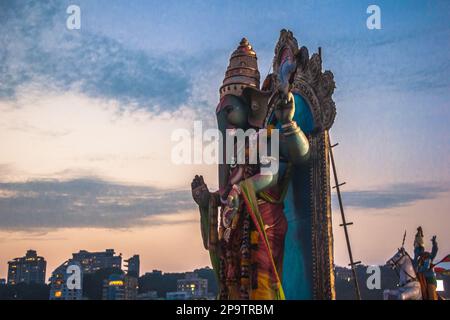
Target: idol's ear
{"type": "Point", "coordinates": [258, 102]}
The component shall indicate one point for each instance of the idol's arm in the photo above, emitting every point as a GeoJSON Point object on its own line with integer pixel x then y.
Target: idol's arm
{"type": "Point", "coordinates": [208, 221]}
{"type": "Point", "coordinates": [204, 200]}
{"type": "Point", "coordinates": [208, 204]}
{"type": "Point", "coordinates": [261, 182]}
{"type": "Point", "coordinates": [204, 225]}
{"type": "Point", "coordinates": [256, 183]}
{"type": "Point", "coordinates": [293, 143]}
{"type": "Point", "coordinates": [434, 249]}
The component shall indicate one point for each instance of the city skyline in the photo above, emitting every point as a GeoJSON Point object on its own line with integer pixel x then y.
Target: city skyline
{"type": "Point", "coordinates": [98, 275]}
{"type": "Point", "coordinates": [88, 261]}
{"type": "Point", "coordinates": [102, 280]}
{"type": "Point", "coordinates": [87, 117]}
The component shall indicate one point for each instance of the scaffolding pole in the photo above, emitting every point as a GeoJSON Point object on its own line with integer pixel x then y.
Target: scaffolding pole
{"type": "Point", "coordinates": [344, 224]}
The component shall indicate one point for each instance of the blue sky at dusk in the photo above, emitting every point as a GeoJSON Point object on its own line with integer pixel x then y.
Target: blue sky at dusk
{"type": "Point", "coordinates": [87, 116]}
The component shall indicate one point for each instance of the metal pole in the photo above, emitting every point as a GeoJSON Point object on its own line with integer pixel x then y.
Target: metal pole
{"type": "Point", "coordinates": [344, 223]}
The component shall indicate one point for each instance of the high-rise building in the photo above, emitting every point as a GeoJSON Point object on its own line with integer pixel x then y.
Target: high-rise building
{"type": "Point", "coordinates": [28, 269]}
{"type": "Point", "coordinates": [93, 261]}
{"type": "Point", "coordinates": [59, 282]}
{"type": "Point", "coordinates": [131, 287]}
{"type": "Point", "coordinates": [132, 265]}
{"type": "Point", "coordinates": [114, 288]}
{"type": "Point", "coordinates": [120, 287]}
{"type": "Point", "coordinates": [194, 286]}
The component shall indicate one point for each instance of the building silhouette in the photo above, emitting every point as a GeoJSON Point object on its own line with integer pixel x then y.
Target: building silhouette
{"type": "Point", "coordinates": [120, 287]}
{"type": "Point", "coordinates": [94, 261]}
{"type": "Point", "coordinates": [195, 287]}
{"type": "Point", "coordinates": [133, 265]}
{"type": "Point", "coordinates": [27, 269]}
{"type": "Point", "coordinates": [59, 282]}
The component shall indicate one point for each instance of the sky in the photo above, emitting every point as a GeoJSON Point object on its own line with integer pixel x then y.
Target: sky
{"type": "Point", "coordinates": [87, 116]}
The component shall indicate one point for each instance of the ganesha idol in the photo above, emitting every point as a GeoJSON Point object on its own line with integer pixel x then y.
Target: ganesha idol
{"type": "Point", "coordinates": [269, 235]}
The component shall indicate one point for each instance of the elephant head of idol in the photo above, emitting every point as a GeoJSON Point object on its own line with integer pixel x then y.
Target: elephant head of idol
{"type": "Point", "coordinates": [242, 104]}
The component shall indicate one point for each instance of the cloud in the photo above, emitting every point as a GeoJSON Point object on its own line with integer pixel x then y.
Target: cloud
{"type": "Point", "coordinates": [36, 47]}
{"type": "Point", "coordinates": [92, 202]}
{"type": "Point", "coordinates": [392, 196]}
{"type": "Point", "coordinates": [88, 202]}
{"type": "Point", "coordinates": [48, 134]}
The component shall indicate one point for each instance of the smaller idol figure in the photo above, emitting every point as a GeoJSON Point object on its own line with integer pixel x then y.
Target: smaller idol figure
{"type": "Point", "coordinates": [423, 263]}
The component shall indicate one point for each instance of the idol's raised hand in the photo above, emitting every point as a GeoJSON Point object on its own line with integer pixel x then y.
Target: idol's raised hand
{"type": "Point", "coordinates": [285, 108]}
{"type": "Point", "coordinates": [200, 191]}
